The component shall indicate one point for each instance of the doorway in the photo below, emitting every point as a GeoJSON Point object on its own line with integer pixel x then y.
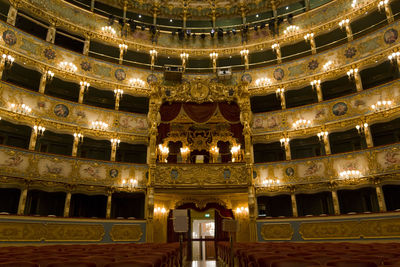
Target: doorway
{"type": "Point", "coordinates": [203, 235]}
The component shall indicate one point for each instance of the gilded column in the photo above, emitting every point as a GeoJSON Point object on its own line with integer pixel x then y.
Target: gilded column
{"type": "Point", "coordinates": [43, 80]}
{"type": "Point", "coordinates": [310, 38]}
{"type": "Point", "coordinates": [277, 49]}
{"type": "Point", "coordinates": [92, 5]}
{"type": "Point", "coordinates": [78, 137]}
{"type": "Point", "coordinates": [388, 10]}
{"type": "Point", "coordinates": [22, 201]}
{"type": "Point", "coordinates": [294, 205]}
{"type": "Point", "coordinates": [381, 197]}
{"type": "Point", "coordinates": [84, 86]}
{"type": "Point", "coordinates": [51, 34]}
{"type": "Point", "coordinates": [117, 99]}
{"type": "Point", "coordinates": [288, 153]}
{"type": "Point", "coordinates": [150, 214]}
{"type": "Point", "coordinates": [86, 46]}
{"type": "Point", "coordinates": [335, 200]}
{"type": "Point", "coordinates": [12, 15]}
{"type": "Point", "coordinates": [113, 149]}
{"type": "Point", "coordinates": [368, 136]}
{"type": "Point", "coordinates": [316, 84]}
{"type": "Point", "coordinates": [327, 144]}
{"type": "Point", "coordinates": [109, 198]}
{"type": "Point", "coordinates": [33, 139]}
{"type": "Point", "coordinates": [2, 66]}
{"type": "Point", "coordinates": [280, 94]}
{"type": "Point", "coordinates": [252, 214]}
{"type": "Point", "coordinates": [245, 119]}
{"type": "Point", "coordinates": [357, 80]}
{"type": "Point", "coordinates": [67, 204]}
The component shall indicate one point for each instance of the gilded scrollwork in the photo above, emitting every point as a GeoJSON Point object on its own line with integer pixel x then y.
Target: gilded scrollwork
{"type": "Point", "coordinates": [277, 231]}
{"type": "Point", "coordinates": [126, 232]}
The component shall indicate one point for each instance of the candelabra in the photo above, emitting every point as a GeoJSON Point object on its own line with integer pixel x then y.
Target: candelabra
{"type": "Point", "coordinates": [68, 66]}
{"type": "Point", "coordinates": [185, 151]}
{"type": "Point", "coordinates": [352, 73]}
{"type": "Point", "coordinates": [361, 128]}
{"type": "Point", "coordinates": [382, 105]}
{"type": "Point", "coordinates": [214, 151]}
{"type": "Point", "coordinates": [214, 57]}
{"type": "Point", "coordinates": [159, 211]}
{"type": "Point", "coordinates": [78, 137]}
{"type": "Point", "coordinates": [279, 92]}
{"type": "Point", "coordinates": [7, 60]}
{"type": "Point", "coordinates": [354, 4]}
{"type": "Point", "coordinates": [99, 125]}
{"type": "Point", "coordinates": [382, 4]}
{"type": "Point", "coordinates": [115, 142]}
{"type": "Point", "coordinates": [84, 85]}
{"type": "Point", "coordinates": [163, 152]}
{"type": "Point", "coordinates": [350, 174]}
{"type": "Point", "coordinates": [315, 83]}
{"type": "Point", "coordinates": [242, 211]}
{"type": "Point", "coordinates": [108, 30]}
{"type": "Point", "coordinates": [137, 82]}
{"type": "Point", "coordinates": [129, 184]}
{"type": "Point", "coordinates": [49, 75]}
{"type": "Point", "coordinates": [123, 48]}
{"type": "Point", "coordinates": [292, 29]}
{"type": "Point", "coordinates": [284, 141]}
{"type": "Point", "coordinates": [263, 82]}
{"type": "Point", "coordinates": [394, 56]}
{"type": "Point", "coordinates": [275, 47]}
{"type": "Point", "coordinates": [153, 55]}
{"type": "Point", "coordinates": [322, 135]}
{"type": "Point", "coordinates": [301, 124]}
{"type": "Point", "coordinates": [20, 108]}
{"type": "Point", "coordinates": [308, 36]}
{"type": "Point", "coordinates": [235, 151]}
{"type": "Point", "coordinates": [39, 130]}
{"type": "Point", "coordinates": [118, 92]}
{"type": "Point", "coordinates": [328, 65]}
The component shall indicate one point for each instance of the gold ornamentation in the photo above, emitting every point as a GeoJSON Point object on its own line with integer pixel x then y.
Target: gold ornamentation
{"type": "Point", "coordinates": [330, 230]}
{"type": "Point", "coordinates": [126, 232]}
{"type": "Point", "coordinates": [380, 228]}
{"type": "Point", "coordinates": [277, 231]}
{"type": "Point", "coordinates": [16, 231]}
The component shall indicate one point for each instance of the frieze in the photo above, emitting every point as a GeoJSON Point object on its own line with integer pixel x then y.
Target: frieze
{"type": "Point", "coordinates": [277, 231]}
{"type": "Point", "coordinates": [39, 166]}
{"type": "Point", "coordinates": [126, 232]}
{"type": "Point", "coordinates": [70, 115]}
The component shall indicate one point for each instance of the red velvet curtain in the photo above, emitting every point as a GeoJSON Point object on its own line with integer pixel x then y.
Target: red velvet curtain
{"type": "Point", "coordinates": [170, 111]}
{"type": "Point", "coordinates": [230, 111]}
{"type": "Point", "coordinates": [200, 112]}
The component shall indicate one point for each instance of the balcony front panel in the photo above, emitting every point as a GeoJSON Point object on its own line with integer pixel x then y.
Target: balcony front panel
{"type": "Point", "coordinates": [201, 175]}
{"type": "Point", "coordinates": [39, 166]}
{"type": "Point", "coordinates": [87, 23]}
{"type": "Point", "coordinates": [334, 114]}
{"type": "Point", "coordinates": [380, 161]}
{"type": "Point", "coordinates": [64, 115]}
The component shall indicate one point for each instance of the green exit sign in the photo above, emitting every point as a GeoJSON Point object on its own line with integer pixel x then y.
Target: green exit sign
{"type": "Point", "coordinates": [207, 215]}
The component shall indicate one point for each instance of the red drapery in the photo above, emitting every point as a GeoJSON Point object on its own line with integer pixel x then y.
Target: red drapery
{"type": "Point", "coordinates": [200, 112]}
{"type": "Point", "coordinates": [170, 111]}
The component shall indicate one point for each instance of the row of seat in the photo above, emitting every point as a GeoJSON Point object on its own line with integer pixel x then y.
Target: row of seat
{"type": "Point", "coordinates": [290, 254]}
{"type": "Point", "coordinates": [110, 255]}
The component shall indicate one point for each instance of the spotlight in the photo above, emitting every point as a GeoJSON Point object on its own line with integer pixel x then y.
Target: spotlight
{"type": "Point", "coordinates": [143, 27]}
{"type": "Point", "coordinates": [212, 33]}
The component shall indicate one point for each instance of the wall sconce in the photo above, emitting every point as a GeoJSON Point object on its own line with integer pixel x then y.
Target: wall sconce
{"type": "Point", "coordinates": [84, 85]}
{"type": "Point", "coordinates": [245, 55]}
{"type": "Point", "coordinates": [279, 92]}
{"type": "Point", "coordinates": [214, 57]}
{"type": "Point", "coordinates": [242, 210]}
{"type": "Point", "coordinates": [185, 151]}
{"type": "Point", "coordinates": [235, 151]}
{"type": "Point", "coordinates": [351, 73]}
{"type": "Point", "coordinates": [301, 124]}
{"type": "Point", "coordinates": [344, 23]}
{"type": "Point", "coordinates": [8, 60]}
{"type": "Point", "coordinates": [153, 55]}
{"type": "Point", "coordinates": [275, 47]}
{"type": "Point", "coordinates": [350, 174]}
{"type": "Point", "coordinates": [292, 29]}
{"type": "Point", "coordinates": [315, 83]}
{"type": "Point", "coordinates": [78, 137]}
{"type": "Point", "coordinates": [322, 135]}
{"type": "Point", "coordinates": [99, 125]}
{"type": "Point", "coordinates": [184, 56]}
{"type": "Point", "coordinates": [49, 75]}
{"type": "Point", "coordinates": [382, 4]}
{"type": "Point", "coordinates": [244, 52]}
{"type": "Point", "coordinates": [361, 128]}
{"type": "Point", "coordinates": [39, 130]}
{"type": "Point", "coordinates": [123, 48]}
{"type": "Point", "coordinates": [284, 141]}
{"type": "Point", "coordinates": [308, 36]}
{"type": "Point", "coordinates": [328, 65]}
{"type": "Point", "coordinates": [20, 108]}
{"type": "Point", "coordinates": [263, 82]}
{"type": "Point", "coordinates": [129, 184]}
{"type": "Point", "coordinates": [160, 211]}
{"type": "Point", "coordinates": [115, 142]}
{"type": "Point", "coordinates": [394, 56]}
{"type": "Point", "coordinates": [163, 152]}
{"type": "Point", "coordinates": [382, 105]}
{"type": "Point", "coordinates": [136, 82]}
{"type": "Point", "coordinates": [271, 182]}
{"type": "Point", "coordinates": [108, 30]}
{"type": "Point", "coordinates": [118, 92]}
{"type": "Point", "coordinates": [68, 66]}
{"type": "Point", "coordinates": [354, 4]}
{"type": "Point", "coordinates": [214, 151]}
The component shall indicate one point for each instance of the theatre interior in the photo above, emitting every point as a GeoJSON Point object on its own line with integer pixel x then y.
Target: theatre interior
{"type": "Point", "coordinates": [169, 133]}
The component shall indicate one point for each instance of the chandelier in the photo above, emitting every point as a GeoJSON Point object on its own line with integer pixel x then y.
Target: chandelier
{"type": "Point", "coordinates": [123, 48]}
{"type": "Point", "coordinates": [163, 152]}
{"type": "Point", "coordinates": [118, 92]}
{"type": "Point", "coordinates": [292, 29]}
{"type": "Point", "coordinates": [68, 66]}
{"type": "Point", "coordinates": [328, 65]}
{"type": "Point", "coordinates": [382, 105]}
{"type": "Point", "coordinates": [263, 82]}
{"type": "Point", "coordinates": [244, 52]}
{"type": "Point", "coordinates": [308, 36]}
{"type": "Point", "coordinates": [351, 73]}
{"type": "Point", "coordinates": [8, 60]}
{"type": "Point", "coordinates": [115, 141]}
{"type": "Point", "coordinates": [185, 151]}
{"type": "Point", "coordinates": [21, 108]}
{"type": "Point", "coordinates": [301, 124]}
{"type": "Point", "coordinates": [235, 151]}
{"type": "Point", "coordinates": [271, 182]}
{"type": "Point", "coordinates": [344, 23]}
{"type": "Point", "coordinates": [129, 184]}
{"type": "Point", "coordinates": [350, 174]}
{"type": "Point", "coordinates": [382, 4]}
{"type": "Point", "coordinates": [361, 128]}
{"type": "Point", "coordinates": [39, 130]}
{"type": "Point", "coordinates": [49, 75]}
{"type": "Point", "coordinates": [108, 30]}
{"type": "Point", "coordinates": [214, 151]}
{"type": "Point", "coordinates": [284, 141]}
{"type": "Point", "coordinates": [99, 125]}
{"type": "Point", "coordinates": [136, 82]}
{"type": "Point", "coordinates": [315, 83]}
{"type": "Point", "coordinates": [78, 137]}
{"type": "Point", "coordinates": [322, 135]}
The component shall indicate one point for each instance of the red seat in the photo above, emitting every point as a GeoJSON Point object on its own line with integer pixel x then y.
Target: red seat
{"type": "Point", "coordinates": [18, 264]}
{"type": "Point", "coordinates": [129, 264]}
{"type": "Point", "coordinates": [72, 264]}
{"type": "Point", "coordinates": [293, 263]}
{"type": "Point", "coordinates": [351, 263]}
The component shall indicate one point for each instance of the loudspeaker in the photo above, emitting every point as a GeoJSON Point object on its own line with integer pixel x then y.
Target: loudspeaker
{"type": "Point", "coordinates": [180, 218]}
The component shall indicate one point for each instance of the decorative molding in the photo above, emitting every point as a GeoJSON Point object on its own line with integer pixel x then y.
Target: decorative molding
{"type": "Point", "coordinates": [277, 231]}
{"type": "Point", "coordinates": [126, 232]}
